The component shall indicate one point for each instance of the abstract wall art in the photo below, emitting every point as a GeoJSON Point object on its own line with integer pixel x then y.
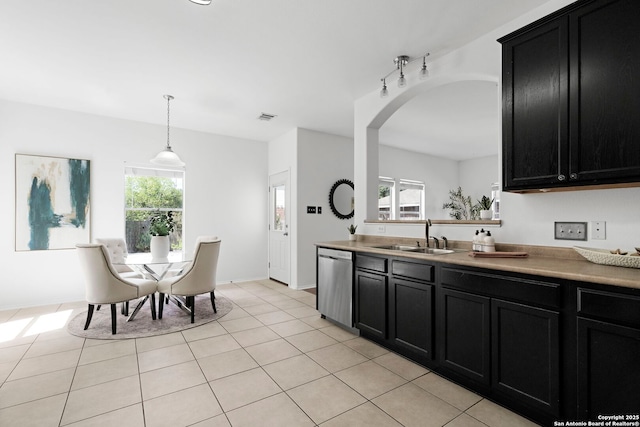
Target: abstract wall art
{"type": "Point", "coordinates": [52, 202]}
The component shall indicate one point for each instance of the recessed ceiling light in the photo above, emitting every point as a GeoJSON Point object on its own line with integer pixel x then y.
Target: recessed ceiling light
{"type": "Point", "coordinates": [203, 2]}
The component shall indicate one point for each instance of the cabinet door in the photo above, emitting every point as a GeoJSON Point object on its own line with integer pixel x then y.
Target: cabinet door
{"type": "Point", "coordinates": [371, 304]}
{"type": "Point", "coordinates": [535, 107]}
{"type": "Point", "coordinates": [464, 331]}
{"type": "Point", "coordinates": [608, 369]}
{"type": "Point", "coordinates": [605, 106]}
{"type": "Point", "coordinates": [412, 317]}
{"type": "Point", "coordinates": [526, 354]}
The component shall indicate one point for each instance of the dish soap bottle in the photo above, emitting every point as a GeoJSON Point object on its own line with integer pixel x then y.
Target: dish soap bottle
{"type": "Point", "coordinates": [489, 244]}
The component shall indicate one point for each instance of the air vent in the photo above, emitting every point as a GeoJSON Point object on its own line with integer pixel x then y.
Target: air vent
{"type": "Point", "coordinates": [266, 116]}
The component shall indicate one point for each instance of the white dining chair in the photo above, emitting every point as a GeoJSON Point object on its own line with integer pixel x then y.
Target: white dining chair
{"type": "Point", "coordinates": [103, 285]}
{"type": "Point", "coordinates": [198, 277]}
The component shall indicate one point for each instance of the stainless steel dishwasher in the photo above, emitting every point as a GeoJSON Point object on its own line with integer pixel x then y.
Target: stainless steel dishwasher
{"type": "Point", "coordinates": [335, 285]}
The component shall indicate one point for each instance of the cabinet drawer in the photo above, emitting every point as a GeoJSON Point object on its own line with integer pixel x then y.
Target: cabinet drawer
{"type": "Point", "coordinates": [372, 263]}
{"type": "Point", "coordinates": [504, 287]}
{"type": "Point", "coordinates": [423, 272]}
{"type": "Point", "coordinates": [606, 305]}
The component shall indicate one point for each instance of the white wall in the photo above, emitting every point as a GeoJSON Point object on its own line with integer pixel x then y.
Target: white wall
{"type": "Point", "coordinates": [439, 175]}
{"type": "Point", "coordinates": [316, 161]}
{"type": "Point", "coordinates": [225, 194]}
{"type": "Point", "coordinates": [477, 175]}
{"type": "Point", "coordinates": [323, 159]}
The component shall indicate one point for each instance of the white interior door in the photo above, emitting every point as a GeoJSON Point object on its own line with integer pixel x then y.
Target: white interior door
{"type": "Point", "coordinates": [279, 246]}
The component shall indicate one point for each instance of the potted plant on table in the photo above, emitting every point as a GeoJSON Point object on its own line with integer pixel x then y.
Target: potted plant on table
{"type": "Point", "coordinates": [161, 225]}
{"type": "Point", "coordinates": [484, 205]}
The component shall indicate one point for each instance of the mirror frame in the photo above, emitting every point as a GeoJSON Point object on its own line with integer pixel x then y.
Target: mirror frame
{"type": "Point", "coordinates": [332, 204]}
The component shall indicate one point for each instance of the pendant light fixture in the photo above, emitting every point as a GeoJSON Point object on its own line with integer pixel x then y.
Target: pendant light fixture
{"type": "Point", "coordinates": [167, 157]}
{"type": "Point", "coordinates": [401, 62]}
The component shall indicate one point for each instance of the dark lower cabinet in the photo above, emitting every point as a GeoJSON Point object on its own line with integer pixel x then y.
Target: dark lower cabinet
{"type": "Point", "coordinates": [371, 304]}
{"type": "Point", "coordinates": [464, 328]}
{"type": "Point", "coordinates": [526, 354]}
{"type": "Point", "coordinates": [608, 330]}
{"type": "Point", "coordinates": [412, 317]}
{"type": "Point", "coordinates": [608, 369]}
{"type": "Point", "coordinates": [546, 348]}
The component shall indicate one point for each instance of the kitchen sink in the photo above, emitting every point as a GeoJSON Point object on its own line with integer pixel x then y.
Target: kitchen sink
{"type": "Point", "coordinates": [398, 247]}
{"type": "Point", "coordinates": [432, 251]}
{"type": "Point", "coordinates": [418, 249]}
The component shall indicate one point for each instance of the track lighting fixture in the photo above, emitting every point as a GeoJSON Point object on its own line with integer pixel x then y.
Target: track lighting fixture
{"type": "Point", "coordinates": [401, 62]}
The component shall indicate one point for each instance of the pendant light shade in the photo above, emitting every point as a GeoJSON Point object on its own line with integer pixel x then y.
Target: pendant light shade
{"type": "Point", "coordinates": [167, 157]}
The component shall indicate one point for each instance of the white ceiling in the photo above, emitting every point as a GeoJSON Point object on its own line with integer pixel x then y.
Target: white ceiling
{"type": "Point", "coordinates": [305, 61]}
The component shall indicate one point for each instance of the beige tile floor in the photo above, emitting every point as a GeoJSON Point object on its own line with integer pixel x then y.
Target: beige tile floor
{"type": "Point", "coordinates": [272, 361]}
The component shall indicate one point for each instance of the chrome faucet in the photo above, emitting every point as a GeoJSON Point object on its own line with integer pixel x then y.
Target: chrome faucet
{"type": "Point", "coordinates": [427, 224]}
{"type": "Point", "coordinates": [436, 242]}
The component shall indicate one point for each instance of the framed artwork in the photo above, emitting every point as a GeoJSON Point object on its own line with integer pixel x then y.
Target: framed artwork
{"type": "Point", "coordinates": [52, 202]}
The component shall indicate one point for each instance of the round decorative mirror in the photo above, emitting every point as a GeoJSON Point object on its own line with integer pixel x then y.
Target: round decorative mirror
{"type": "Point", "coordinates": [341, 199]}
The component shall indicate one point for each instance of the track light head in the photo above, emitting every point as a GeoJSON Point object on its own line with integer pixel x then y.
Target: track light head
{"type": "Point", "coordinates": [384, 92]}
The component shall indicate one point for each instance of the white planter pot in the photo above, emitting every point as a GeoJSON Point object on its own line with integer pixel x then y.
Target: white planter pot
{"type": "Point", "coordinates": [352, 237]}
{"type": "Point", "coordinates": [486, 214]}
{"type": "Point", "coordinates": [160, 246]}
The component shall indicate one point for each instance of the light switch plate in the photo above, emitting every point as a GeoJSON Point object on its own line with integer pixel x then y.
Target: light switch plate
{"type": "Point", "coordinates": [598, 230]}
{"type": "Point", "coordinates": [570, 231]}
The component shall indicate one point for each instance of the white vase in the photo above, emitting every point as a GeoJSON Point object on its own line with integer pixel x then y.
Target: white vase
{"type": "Point", "coordinates": [486, 214]}
{"type": "Point", "coordinates": [160, 246]}
{"type": "Point", "coordinates": [352, 237]}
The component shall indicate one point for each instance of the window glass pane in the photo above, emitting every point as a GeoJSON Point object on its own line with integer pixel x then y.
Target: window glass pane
{"type": "Point", "coordinates": [385, 199]}
{"type": "Point", "coordinates": [280, 214]}
{"type": "Point", "coordinates": [146, 192]}
{"type": "Point", "coordinates": [411, 200]}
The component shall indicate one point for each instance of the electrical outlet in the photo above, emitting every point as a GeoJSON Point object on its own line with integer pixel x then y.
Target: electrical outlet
{"type": "Point", "coordinates": [570, 230]}
{"type": "Point", "coordinates": [319, 210]}
{"type": "Point", "coordinates": [599, 230]}
{"type": "Point", "coordinates": [311, 209]}
{"type": "Point", "coordinates": [381, 229]}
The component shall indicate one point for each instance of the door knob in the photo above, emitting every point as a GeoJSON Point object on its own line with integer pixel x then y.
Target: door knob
{"type": "Point", "coordinates": [285, 233]}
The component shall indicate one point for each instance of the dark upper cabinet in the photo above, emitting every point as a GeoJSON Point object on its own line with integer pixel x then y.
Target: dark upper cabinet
{"type": "Point", "coordinates": [569, 99]}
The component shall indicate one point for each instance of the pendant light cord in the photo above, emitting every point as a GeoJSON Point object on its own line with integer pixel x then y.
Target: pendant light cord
{"type": "Point", "coordinates": [168, 101]}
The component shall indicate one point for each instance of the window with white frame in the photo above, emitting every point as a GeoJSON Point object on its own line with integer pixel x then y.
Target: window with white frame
{"type": "Point", "coordinates": [402, 199]}
{"type": "Point", "coordinates": [386, 198]}
{"type": "Point", "coordinates": [149, 189]}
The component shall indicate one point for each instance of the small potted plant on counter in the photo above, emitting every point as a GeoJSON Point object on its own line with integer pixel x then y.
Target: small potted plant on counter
{"type": "Point", "coordinates": [161, 225]}
{"type": "Point", "coordinates": [484, 206]}
{"type": "Point", "coordinates": [352, 231]}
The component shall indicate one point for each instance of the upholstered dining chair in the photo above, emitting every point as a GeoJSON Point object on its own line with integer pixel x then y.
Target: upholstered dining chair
{"type": "Point", "coordinates": [117, 250]}
{"type": "Point", "coordinates": [103, 285]}
{"type": "Point", "coordinates": [198, 277]}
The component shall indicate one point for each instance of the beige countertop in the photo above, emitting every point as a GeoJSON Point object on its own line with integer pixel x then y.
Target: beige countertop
{"type": "Point", "coordinates": [563, 263]}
